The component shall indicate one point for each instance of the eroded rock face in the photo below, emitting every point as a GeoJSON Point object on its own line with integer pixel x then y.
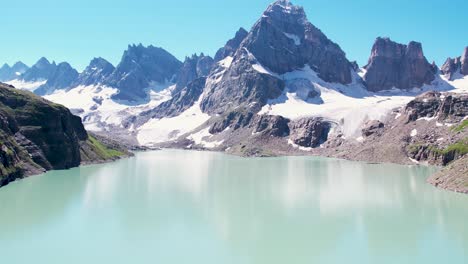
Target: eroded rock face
{"type": "Point", "coordinates": [97, 72]}
{"type": "Point", "coordinates": [139, 68]}
{"type": "Point", "coordinates": [47, 129]}
{"type": "Point", "coordinates": [281, 41]}
{"type": "Point", "coordinates": [193, 68]}
{"type": "Point", "coordinates": [232, 45]}
{"type": "Point", "coordinates": [180, 102]}
{"type": "Point", "coordinates": [393, 65]}
{"type": "Point", "coordinates": [456, 67]}
{"type": "Point", "coordinates": [276, 126]}
{"type": "Point", "coordinates": [241, 85]}
{"type": "Point", "coordinates": [448, 107]}
{"type": "Point", "coordinates": [309, 132]}
{"type": "Point", "coordinates": [284, 40]}
{"type": "Point", "coordinates": [373, 127]}
{"type": "Point", "coordinates": [233, 120]}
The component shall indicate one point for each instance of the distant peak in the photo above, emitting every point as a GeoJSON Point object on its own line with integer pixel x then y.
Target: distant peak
{"type": "Point", "coordinates": [43, 60]}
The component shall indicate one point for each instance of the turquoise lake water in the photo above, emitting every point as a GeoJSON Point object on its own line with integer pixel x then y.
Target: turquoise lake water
{"type": "Point", "coordinates": [177, 206]}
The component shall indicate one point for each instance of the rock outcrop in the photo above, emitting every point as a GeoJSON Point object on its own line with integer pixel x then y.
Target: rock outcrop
{"type": "Point", "coordinates": [181, 101]}
{"type": "Point", "coordinates": [454, 68]}
{"type": "Point", "coordinates": [38, 135]}
{"type": "Point", "coordinates": [275, 126]}
{"type": "Point", "coordinates": [449, 108]}
{"type": "Point", "coordinates": [95, 73]}
{"type": "Point", "coordinates": [372, 127]}
{"type": "Point", "coordinates": [231, 46]}
{"type": "Point", "coordinates": [309, 132]}
{"type": "Point", "coordinates": [393, 65]}
{"type": "Point", "coordinates": [194, 67]}
{"type": "Point", "coordinates": [140, 68]}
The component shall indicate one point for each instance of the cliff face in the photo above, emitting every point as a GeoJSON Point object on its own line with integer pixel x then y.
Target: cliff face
{"type": "Point", "coordinates": [37, 135]}
{"type": "Point", "coordinates": [394, 65]}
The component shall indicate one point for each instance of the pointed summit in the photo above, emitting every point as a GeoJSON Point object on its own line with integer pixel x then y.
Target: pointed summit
{"type": "Point", "coordinates": [231, 46]}
{"type": "Point", "coordinates": [97, 72]}
{"type": "Point", "coordinates": [42, 70]}
{"type": "Point", "coordinates": [455, 68]}
{"type": "Point", "coordinates": [139, 68]}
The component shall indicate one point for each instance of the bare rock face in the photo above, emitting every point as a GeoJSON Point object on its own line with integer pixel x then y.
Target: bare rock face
{"type": "Point", "coordinates": [309, 132]}
{"type": "Point", "coordinates": [180, 101]}
{"type": "Point", "coordinates": [449, 108]}
{"type": "Point", "coordinates": [234, 120]}
{"type": "Point", "coordinates": [393, 65]}
{"type": "Point", "coordinates": [139, 68]}
{"type": "Point", "coordinates": [456, 67]}
{"type": "Point", "coordinates": [281, 41]}
{"type": "Point", "coordinates": [276, 126]}
{"type": "Point", "coordinates": [241, 85]}
{"type": "Point", "coordinates": [284, 40]}
{"type": "Point", "coordinates": [373, 127]}
{"type": "Point", "coordinates": [97, 72]}
{"type": "Point", "coordinates": [232, 45]}
{"type": "Point", "coordinates": [193, 68]}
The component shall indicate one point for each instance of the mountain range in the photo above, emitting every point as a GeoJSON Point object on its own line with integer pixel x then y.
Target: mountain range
{"type": "Point", "coordinates": [283, 87]}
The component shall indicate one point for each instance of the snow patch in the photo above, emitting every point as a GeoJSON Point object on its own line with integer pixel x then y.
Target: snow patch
{"type": "Point", "coordinates": [28, 86]}
{"type": "Point", "coordinates": [414, 133]}
{"type": "Point", "coordinates": [200, 139]}
{"type": "Point", "coordinates": [170, 128]}
{"type": "Point", "coordinates": [290, 142]}
{"type": "Point", "coordinates": [295, 38]}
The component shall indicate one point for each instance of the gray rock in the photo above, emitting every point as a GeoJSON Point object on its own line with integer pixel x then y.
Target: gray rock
{"type": "Point", "coordinates": [180, 101]}
{"type": "Point", "coordinates": [232, 45]}
{"type": "Point", "coordinates": [454, 67]}
{"type": "Point", "coordinates": [42, 70]}
{"type": "Point", "coordinates": [139, 67]}
{"type": "Point", "coordinates": [96, 73]}
{"type": "Point", "coordinates": [62, 78]}
{"type": "Point", "coordinates": [449, 108]}
{"type": "Point", "coordinates": [393, 65]}
{"type": "Point", "coordinates": [8, 73]}
{"type": "Point", "coordinates": [281, 41]}
{"type": "Point", "coordinates": [372, 127]}
{"type": "Point", "coordinates": [276, 126]}
{"type": "Point", "coordinates": [193, 68]}
{"type": "Point", "coordinates": [234, 120]}
{"type": "Point", "coordinates": [309, 132]}
{"type": "Point", "coordinates": [284, 40]}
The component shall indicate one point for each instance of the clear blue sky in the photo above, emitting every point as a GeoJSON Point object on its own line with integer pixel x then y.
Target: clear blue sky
{"type": "Point", "coordinates": [76, 31]}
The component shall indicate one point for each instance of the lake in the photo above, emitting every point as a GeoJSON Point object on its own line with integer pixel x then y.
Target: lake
{"type": "Point", "coordinates": [175, 206]}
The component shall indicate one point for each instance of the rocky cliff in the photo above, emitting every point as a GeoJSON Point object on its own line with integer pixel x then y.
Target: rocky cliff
{"type": "Point", "coordinates": [454, 68]}
{"type": "Point", "coordinates": [394, 65]}
{"type": "Point", "coordinates": [38, 135]}
{"type": "Point", "coordinates": [95, 73]}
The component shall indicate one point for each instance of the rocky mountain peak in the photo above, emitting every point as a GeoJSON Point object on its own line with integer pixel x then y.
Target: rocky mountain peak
{"type": "Point", "coordinates": [283, 40]}
{"type": "Point", "coordinates": [455, 68]}
{"type": "Point", "coordinates": [139, 68]}
{"type": "Point", "coordinates": [232, 45]}
{"type": "Point", "coordinates": [62, 77]}
{"type": "Point", "coordinates": [395, 65]}
{"type": "Point", "coordinates": [41, 70]}
{"type": "Point", "coordinates": [97, 72]}
{"type": "Point", "coordinates": [194, 67]}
